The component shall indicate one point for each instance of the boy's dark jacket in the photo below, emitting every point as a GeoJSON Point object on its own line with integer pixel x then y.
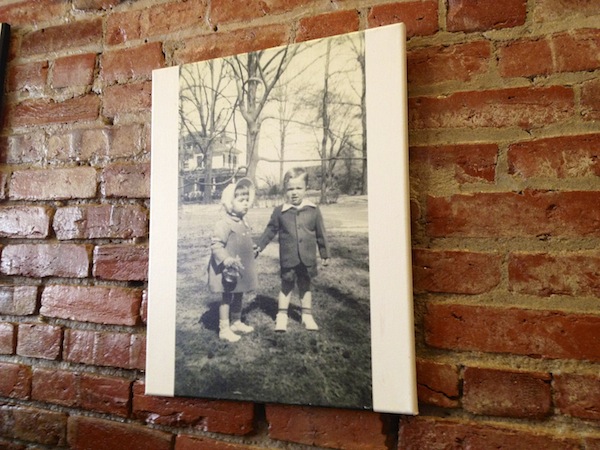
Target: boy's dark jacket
{"type": "Point", "coordinates": [300, 232]}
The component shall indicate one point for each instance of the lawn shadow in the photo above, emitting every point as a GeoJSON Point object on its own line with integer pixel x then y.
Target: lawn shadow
{"type": "Point", "coordinates": [210, 319]}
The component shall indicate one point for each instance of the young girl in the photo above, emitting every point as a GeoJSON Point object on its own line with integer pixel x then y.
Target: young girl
{"type": "Point", "coordinates": [300, 227]}
{"type": "Point", "coordinates": [231, 270]}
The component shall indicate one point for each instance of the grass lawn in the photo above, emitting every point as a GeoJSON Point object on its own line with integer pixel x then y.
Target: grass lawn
{"type": "Point", "coordinates": [329, 367]}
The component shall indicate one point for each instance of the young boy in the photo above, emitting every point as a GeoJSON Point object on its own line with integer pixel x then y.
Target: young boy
{"type": "Point", "coordinates": [231, 270]}
{"type": "Point", "coordinates": [299, 224]}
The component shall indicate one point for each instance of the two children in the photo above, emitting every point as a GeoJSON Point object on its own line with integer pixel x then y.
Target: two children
{"type": "Point", "coordinates": [299, 225]}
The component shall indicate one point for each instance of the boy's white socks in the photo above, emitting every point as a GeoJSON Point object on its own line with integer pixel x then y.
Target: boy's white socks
{"type": "Point", "coordinates": [281, 321]}
{"type": "Point", "coordinates": [309, 322]}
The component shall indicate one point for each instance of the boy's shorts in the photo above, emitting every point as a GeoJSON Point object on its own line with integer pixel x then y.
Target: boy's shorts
{"type": "Point", "coordinates": [299, 274]}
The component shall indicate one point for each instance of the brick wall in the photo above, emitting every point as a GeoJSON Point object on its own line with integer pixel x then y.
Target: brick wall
{"type": "Point", "coordinates": [505, 138]}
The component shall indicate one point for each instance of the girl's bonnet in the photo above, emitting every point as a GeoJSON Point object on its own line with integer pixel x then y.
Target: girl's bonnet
{"type": "Point", "coordinates": [228, 193]}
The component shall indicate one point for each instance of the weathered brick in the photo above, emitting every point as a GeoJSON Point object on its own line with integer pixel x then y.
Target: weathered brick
{"type": "Point", "coordinates": [86, 391]}
{"type": "Point", "coordinates": [7, 339]}
{"type": "Point", "coordinates": [326, 25]}
{"type": "Point", "coordinates": [513, 107]}
{"type": "Point", "coordinates": [545, 333]}
{"type": "Point", "coordinates": [63, 147]}
{"type": "Point", "coordinates": [100, 221]}
{"type": "Point", "coordinates": [506, 393]}
{"type": "Point", "coordinates": [94, 144]}
{"type": "Point", "coordinates": [435, 433]}
{"type": "Point", "coordinates": [528, 214]}
{"type": "Point", "coordinates": [127, 351]}
{"type": "Point", "coordinates": [39, 341]}
{"type": "Point", "coordinates": [18, 300]}
{"type": "Point", "coordinates": [121, 262]}
{"type": "Point", "coordinates": [457, 272]}
{"type": "Point", "coordinates": [460, 62]}
{"type": "Point", "coordinates": [466, 15]}
{"type": "Point", "coordinates": [125, 141]}
{"type": "Point", "coordinates": [525, 58]}
{"type": "Point", "coordinates": [577, 395]}
{"type": "Point", "coordinates": [135, 63]}
{"type": "Point", "coordinates": [333, 428]}
{"type": "Point", "coordinates": [126, 180]}
{"type": "Point", "coordinates": [556, 157]}
{"type": "Point", "coordinates": [590, 100]}
{"type": "Point", "coordinates": [95, 5]}
{"type": "Point", "coordinates": [87, 432]}
{"type": "Point", "coordinates": [438, 384]}
{"type": "Point", "coordinates": [75, 34]}
{"type": "Point", "coordinates": [189, 442]}
{"type": "Point", "coordinates": [47, 112]}
{"type": "Point", "coordinates": [127, 98]}
{"type": "Point", "coordinates": [53, 184]}
{"type": "Point", "coordinates": [26, 148]}
{"type": "Point", "coordinates": [30, 77]}
{"type": "Point", "coordinates": [564, 10]}
{"type": "Point", "coordinates": [34, 425]}
{"type": "Point", "coordinates": [24, 222]}
{"type": "Point", "coordinates": [99, 304]}
{"type": "Point", "coordinates": [15, 381]}
{"type": "Point", "coordinates": [76, 70]}
{"type": "Point", "coordinates": [555, 274]}
{"type": "Point", "coordinates": [215, 416]}
{"type": "Point", "coordinates": [33, 12]}
{"type": "Point", "coordinates": [46, 260]}
{"type": "Point", "coordinates": [229, 11]}
{"type": "Point", "coordinates": [420, 17]}
{"type": "Point", "coordinates": [577, 51]}
{"type": "Point", "coordinates": [465, 163]}
{"type": "Point", "coordinates": [220, 44]}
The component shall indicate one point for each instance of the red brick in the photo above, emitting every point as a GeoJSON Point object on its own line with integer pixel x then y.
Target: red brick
{"type": "Point", "coordinates": [53, 184]}
{"type": "Point", "coordinates": [564, 10]}
{"type": "Point", "coordinates": [544, 334]}
{"type": "Point", "coordinates": [63, 147]}
{"type": "Point", "coordinates": [62, 37]}
{"type": "Point", "coordinates": [98, 304]}
{"type": "Point", "coordinates": [95, 5]}
{"type": "Point", "coordinates": [220, 44]}
{"type": "Point", "coordinates": [215, 416]}
{"type": "Point", "coordinates": [187, 442]}
{"type": "Point", "coordinates": [121, 262]}
{"type": "Point", "coordinates": [577, 51]}
{"type": "Point", "coordinates": [466, 15]}
{"type": "Point", "coordinates": [34, 425]}
{"type": "Point", "coordinates": [126, 180]}
{"type": "Point", "coordinates": [105, 349]}
{"type": "Point", "coordinates": [135, 63]}
{"type": "Point", "coordinates": [31, 77]}
{"type": "Point", "coordinates": [527, 214]}
{"type": "Point", "coordinates": [123, 26]}
{"type": "Point", "coordinates": [556, 157]}
{"type": "Point", "coordinates": [525, 58]}
{"type": "Point", "coordinates": [467, 162]}
{"type": "Point", "coordinates": [555, 274]}
{"type": "Point", "coordinates": [26, 148]}
{"type": "Point", "coordinates": [577, 395]}
{"type": "Point", "coordinates": [456, 272]}
{"type": "Point", "coordinates": [460, 62]}
{"type": "Point", "coordinates": [101, 221]}
{"type": "Point", "coordinates": [39, 341]}
{"type": "Point", "coordinates": [86, 391]}
{"type": "Point", "coordinates": [144, 307]}
{"type": "Point", "coordinates": [435, 433]}
{"type": "Point", "coordinates": [590, 100]}
{"type": "Point", "coordinates": [513, 107]}
{"type": "Point", "coordinates": [25, 222]}
{"type": "Point", "coordinates": [76, 70]}
{"type": "Point", "coordinates": [3, 182]}
{"type": "Point", "coordinates": [47, 112]}
{"type": "Point", "coordinates": [326, 25]}
{"type": "Point", "coordinates": [32, 12]}
{"type": "Point", "coordinates": [506, 393]}
{"type": "Point", "coordinates": [15, 381]}
{"type": "Point", "coordinates": [420, 17]}
{"type": "Point", "coordinates": [438, 384]}
{"type": "Point", "coordinates": [332, 428]}
{"type": "Point", "coordinates": [46, 260]}
{"type": "Point", "coordinates": [87, 432]}
{"type": "Point", "coordinates": [125, 141]}
{"type": "Point", "coordinates": [7, 339]}
{"type": "Point", "coordinates": [127, 99]}
{"type": "Point", "coordinates": [230, 11]}
{"type": "Point", "coordinates": [18, 300]}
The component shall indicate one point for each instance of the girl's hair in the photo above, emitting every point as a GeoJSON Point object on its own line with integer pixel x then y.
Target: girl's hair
{"type": "Point", "coordinates": [295, 172]}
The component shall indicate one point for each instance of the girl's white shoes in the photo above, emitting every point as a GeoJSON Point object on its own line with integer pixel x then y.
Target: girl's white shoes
{"type": "Point", "coordinates": [227, 335]}
{"type": "Point", "coordinates": [240, 327]}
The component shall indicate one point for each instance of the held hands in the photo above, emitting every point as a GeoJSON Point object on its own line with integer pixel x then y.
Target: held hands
{"type": "Point", "coordinates": [256, 251]}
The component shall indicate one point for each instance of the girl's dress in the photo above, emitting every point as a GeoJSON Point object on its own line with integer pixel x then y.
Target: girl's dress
{"type": "Point", "coordinates": [232, 238]}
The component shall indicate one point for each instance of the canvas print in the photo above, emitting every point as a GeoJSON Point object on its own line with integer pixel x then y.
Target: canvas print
{"type": "Point", "coordinates": [267, 223]}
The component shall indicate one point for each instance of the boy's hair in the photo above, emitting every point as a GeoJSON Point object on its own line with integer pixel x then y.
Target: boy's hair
{"type": "Point", "coordinates": [295, 172]}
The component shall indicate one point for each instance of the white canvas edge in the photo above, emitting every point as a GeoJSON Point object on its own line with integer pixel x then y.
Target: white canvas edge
{"type": "Point", "coordinates": [390, 267]}
{"type": "Point", "coordinates": [162, 271]}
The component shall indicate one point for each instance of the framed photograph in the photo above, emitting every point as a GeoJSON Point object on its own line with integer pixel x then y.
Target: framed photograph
{"type": "Point", "coordinates": [280, 257]}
